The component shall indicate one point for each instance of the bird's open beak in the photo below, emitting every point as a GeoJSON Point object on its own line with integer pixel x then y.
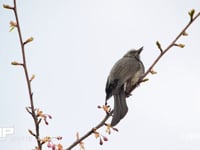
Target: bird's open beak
{"type": "Point", "coordinates": [140, 50]}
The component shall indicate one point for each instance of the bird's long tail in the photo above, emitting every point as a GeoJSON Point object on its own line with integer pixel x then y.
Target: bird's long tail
{"type": "Point", "coordinates": [120, 107]}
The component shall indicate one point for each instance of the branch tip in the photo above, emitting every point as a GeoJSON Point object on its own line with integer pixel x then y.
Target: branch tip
{"type": "Point", "coordinates": [31, 132]}
{"type": "Point", "coordinates": [13, 25]}
{"type": "Point", "coordinates": [15, 63]}
{"type": "Point", "coordinates": [7, 6]}
{"type": "Point", "coordinates": [145, 80]}
{"type": "Point", "coordinates": [31, 79]}
{"type": "Point", "coordinates": [153, 71]}
{"type": "Point", "coordinates": [159, 46]}
{"type": "Point", "coordinates": [28, 40]}
{"type": "Point", "coordinates": [191, 14]}
{"type": "Point", "coordinates": [27, 109]}
{"type": "Point", "coordinates": [179, 45]}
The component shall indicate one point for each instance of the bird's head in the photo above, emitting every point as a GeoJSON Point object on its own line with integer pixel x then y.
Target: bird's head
{"type": "Point", "coordinates": [134, 53]}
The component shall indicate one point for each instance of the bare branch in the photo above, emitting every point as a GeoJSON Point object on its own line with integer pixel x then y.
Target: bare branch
{"type": "Point", "coordinates": [102, 123]}
{"type": "Point", "coordinates": [22, 44]}
{"type": "Point", "coordinates": [173, 43]}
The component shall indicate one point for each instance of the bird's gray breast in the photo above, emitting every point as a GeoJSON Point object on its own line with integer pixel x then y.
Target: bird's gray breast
{"type": "Point", "coordinates": [136, 75]}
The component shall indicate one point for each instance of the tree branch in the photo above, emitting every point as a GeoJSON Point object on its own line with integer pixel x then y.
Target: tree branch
{"type": "Point", "coordinates": [162, 53]}
{"type": "Point", "coordinates": [28, 82]}
{"type": "Point", "coordinates": [102, 123]}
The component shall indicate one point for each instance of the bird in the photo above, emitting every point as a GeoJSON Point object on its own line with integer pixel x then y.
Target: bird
{"type": "Point", "coordinates": [123, 76]}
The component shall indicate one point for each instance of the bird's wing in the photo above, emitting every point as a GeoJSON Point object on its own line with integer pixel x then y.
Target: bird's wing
{"type": "Point", "coordinates": [124, 69]}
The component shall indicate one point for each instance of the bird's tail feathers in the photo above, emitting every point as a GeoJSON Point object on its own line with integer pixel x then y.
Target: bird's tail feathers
{"type": "Point", "coordinates": [120, 107]}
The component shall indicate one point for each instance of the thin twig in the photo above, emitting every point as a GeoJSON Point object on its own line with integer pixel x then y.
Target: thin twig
{"type": "Point", "coordinates": [162, 52]}
{"type": "Point", "coordinates": [37, 135]}
{"type": "Point", "coordinates": [102, 123]}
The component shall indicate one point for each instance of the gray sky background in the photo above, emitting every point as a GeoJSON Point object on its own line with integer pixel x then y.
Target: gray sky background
{"type": "Point", "coordinates": [75, 45]}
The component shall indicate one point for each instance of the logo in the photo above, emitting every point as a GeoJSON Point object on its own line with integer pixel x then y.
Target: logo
{"type": "Point", "coordinates": [5, 131]}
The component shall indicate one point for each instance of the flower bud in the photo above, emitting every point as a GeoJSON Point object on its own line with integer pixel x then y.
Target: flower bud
{"type": "Point", "coordinates": [28, 40]}
{"type": "Point", "coordinates": [7, 6]}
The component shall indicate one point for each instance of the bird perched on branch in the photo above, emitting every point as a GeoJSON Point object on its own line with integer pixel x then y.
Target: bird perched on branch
{"type": "Point", "coordinates": [122, 78]}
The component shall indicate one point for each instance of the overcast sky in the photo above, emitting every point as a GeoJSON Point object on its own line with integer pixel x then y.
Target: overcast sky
{"type": "Point", "coordinates": [75, 45]}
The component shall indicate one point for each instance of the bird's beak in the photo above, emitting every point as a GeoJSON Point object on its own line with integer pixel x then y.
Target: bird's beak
{"type": "Point", "coordinates": [140, 50]}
